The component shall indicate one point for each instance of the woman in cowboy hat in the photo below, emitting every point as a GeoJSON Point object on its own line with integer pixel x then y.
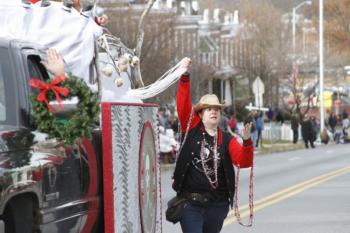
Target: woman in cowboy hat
{"type": "Point", "coordinates": [204, 172]}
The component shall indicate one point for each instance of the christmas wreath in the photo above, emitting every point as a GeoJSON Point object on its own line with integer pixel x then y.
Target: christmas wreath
{"type": "Point", "coordinates": [66, 130]}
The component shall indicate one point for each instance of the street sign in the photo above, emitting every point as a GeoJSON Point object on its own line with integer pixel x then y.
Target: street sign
{"type": "Point", "coordinates": [250, 107]}
{"type": "Point", "coordinates": [258, 90]}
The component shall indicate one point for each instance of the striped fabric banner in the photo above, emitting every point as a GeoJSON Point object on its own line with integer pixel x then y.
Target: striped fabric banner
{"type": "Point", "coordinates": [131, 168]}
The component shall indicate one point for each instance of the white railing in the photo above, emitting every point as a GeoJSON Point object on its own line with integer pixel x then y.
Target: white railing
{"type": "Point", "coordinates": [274, 131]}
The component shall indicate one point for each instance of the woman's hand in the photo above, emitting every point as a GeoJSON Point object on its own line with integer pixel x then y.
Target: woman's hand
{"type": "Point", "coordinates": [54, 63]}
{"type": "Point", "coordinates": [186, 63]}
{"type": "Point", "coordinates": [246, 131]}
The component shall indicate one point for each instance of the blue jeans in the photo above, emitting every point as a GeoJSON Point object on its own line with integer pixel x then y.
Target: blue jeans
{"type": "Point", "coordinates": [254, 136]}
{"type": "Point", "coordinates": [198, 219]}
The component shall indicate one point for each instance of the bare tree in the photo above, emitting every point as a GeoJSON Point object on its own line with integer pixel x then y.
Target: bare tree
{"type": "Point", "coordinates": [263, 48]}
{"type": "Point", "coordinates": [140, 29]}
{"type": "Point", "coordinates": [202, 73]}
{"type": "Point", "coordinates": [337, 25]}
{"type": "Point", "coordinates": [153, 43]}
{"type": "Point", "coordinates": [336, 31]}
{"type": "Point", "coordinates": [300, 97]}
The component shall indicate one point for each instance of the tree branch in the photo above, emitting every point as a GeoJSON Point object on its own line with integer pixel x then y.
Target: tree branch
{"type": "Point", "coordinates": [140, 31]}
{"type": "Point", "coordinates": [139, 42]}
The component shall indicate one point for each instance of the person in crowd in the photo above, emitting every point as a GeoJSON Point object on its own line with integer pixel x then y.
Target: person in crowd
{"type": "Point", "coordinates": [223, 124]}
{"type": "Point", "coordinates": [345, 123]}
{"type": "Point", "coordinates": [279, 116]}
{"type": "Point", "coordinates": [315, 126]}
{"type": "Point", "coordinates": [332, 121]}
{"type": "Point", "coordinates": [252, 118]}
{"type": "Point", "coordinates": [204, 172]}
{"type": "Point", "coordinates": [232, 123]}
{"type": "Point", "coordinates": [345, 114]}
{"type": "Point", "coordinates": [173, 123]}
{"type": "Point", "coordinates": [233, 126]}
{"type": "Point", "coordinates": [270, 114]}
{"type": "Point", "coordinates": [308, 132]}
{"type": "Point", "coordinates": [324, 136]}
{"type": "Point", "coordinates": [295, 127]}
{"type": "Point", "coordinates": [259, 128]}
{"type": "Point", "coordinates": [163, 117]}
{"type": "Point", "coordinates": [338, 129]}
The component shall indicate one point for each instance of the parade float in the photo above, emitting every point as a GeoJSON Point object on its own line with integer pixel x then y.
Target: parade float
{"type": "Point", "coordinates": [104, 70]}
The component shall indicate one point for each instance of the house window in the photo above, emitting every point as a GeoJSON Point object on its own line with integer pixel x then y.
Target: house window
{"type": "Point", "coordinates": [217, 87]}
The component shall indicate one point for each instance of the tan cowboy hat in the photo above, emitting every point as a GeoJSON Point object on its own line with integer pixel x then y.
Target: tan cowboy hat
{"type": "Point", "coordinates": [208, 100]}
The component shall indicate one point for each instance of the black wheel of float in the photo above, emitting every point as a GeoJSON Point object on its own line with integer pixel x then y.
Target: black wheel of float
{"type": "Point", "coordinates": [19, 215]}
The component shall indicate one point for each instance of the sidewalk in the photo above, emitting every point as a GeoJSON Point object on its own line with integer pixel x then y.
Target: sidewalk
{"type": "Point", "coordinates": [278, 146]}
{"type": "Point", "coordinates": [268, 147]}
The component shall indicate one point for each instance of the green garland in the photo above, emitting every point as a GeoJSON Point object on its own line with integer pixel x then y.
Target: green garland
{"type": "Point", "coordinates": [80, 124]}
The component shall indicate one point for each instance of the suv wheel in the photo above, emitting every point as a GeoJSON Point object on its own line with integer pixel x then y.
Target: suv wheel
{"type": "Point", "coordinates": [19, 215]}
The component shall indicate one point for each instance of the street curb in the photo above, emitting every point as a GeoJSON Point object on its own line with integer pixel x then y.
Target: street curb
{"type": "Point", "coordinates": [297, 147]}
{"type": "Point", "coordinates": [278, 150]}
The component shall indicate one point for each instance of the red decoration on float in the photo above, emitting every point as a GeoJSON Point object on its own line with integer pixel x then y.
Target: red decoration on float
{"type": "Point", "coordinates": [53, 86]}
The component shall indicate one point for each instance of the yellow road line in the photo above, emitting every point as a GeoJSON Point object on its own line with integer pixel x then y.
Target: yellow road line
{"type": "Point", "coordinates": [256, 202]}
{"type": "Point", "coordinates": [288, 192]}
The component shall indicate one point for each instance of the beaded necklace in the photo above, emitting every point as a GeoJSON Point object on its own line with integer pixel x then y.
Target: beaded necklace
{"type": "Point", "coordinates": [251, 198]}
{"type": "Point", "coordinates": [213, 183]}
{"type": "Point", "coordinates": [186, 133]}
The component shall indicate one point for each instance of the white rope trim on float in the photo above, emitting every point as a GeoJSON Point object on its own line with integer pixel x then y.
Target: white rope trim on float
{"type": "Point", "coordinates": [163, 83]}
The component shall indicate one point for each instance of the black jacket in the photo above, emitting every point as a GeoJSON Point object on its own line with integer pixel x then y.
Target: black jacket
{"type": "Point", "coordinates": [192, 146]}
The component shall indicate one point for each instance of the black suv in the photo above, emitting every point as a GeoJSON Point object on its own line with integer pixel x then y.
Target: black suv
{"type": "Point", "coordinates": [44, 186]}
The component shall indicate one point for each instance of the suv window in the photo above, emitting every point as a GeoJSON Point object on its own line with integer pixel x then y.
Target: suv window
{"type": "Point", "coordinates": [2, 97]}
{"type": "Point", "coordinates": [36, 69]}
{"type": "Point", "coordinates": [7, 93]}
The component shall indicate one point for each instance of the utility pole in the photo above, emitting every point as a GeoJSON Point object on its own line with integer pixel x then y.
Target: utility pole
{"type": "Point", "coordinates": [321, 65]}
{"type": "Point", "coordinates": [294, 20]}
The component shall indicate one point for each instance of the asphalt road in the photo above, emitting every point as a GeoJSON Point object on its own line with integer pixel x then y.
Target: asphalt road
{"type": "Point", "coordinates": [304, 191]}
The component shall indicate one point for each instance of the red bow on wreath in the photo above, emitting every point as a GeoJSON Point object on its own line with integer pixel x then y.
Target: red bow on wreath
{"type": "Point", "coordinates": [52, 85]}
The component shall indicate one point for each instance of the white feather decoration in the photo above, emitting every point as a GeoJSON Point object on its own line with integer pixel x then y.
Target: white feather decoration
{"type": "Point", "coordinates": [163, 83]}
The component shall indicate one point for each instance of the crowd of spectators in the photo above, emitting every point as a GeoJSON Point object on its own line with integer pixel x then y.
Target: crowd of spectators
{"type": "Point", "coordinates": [307, 128]}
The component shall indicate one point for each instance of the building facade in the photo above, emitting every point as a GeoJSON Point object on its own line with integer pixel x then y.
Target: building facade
{"type": "Point", "coordinates": [210, 39]}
